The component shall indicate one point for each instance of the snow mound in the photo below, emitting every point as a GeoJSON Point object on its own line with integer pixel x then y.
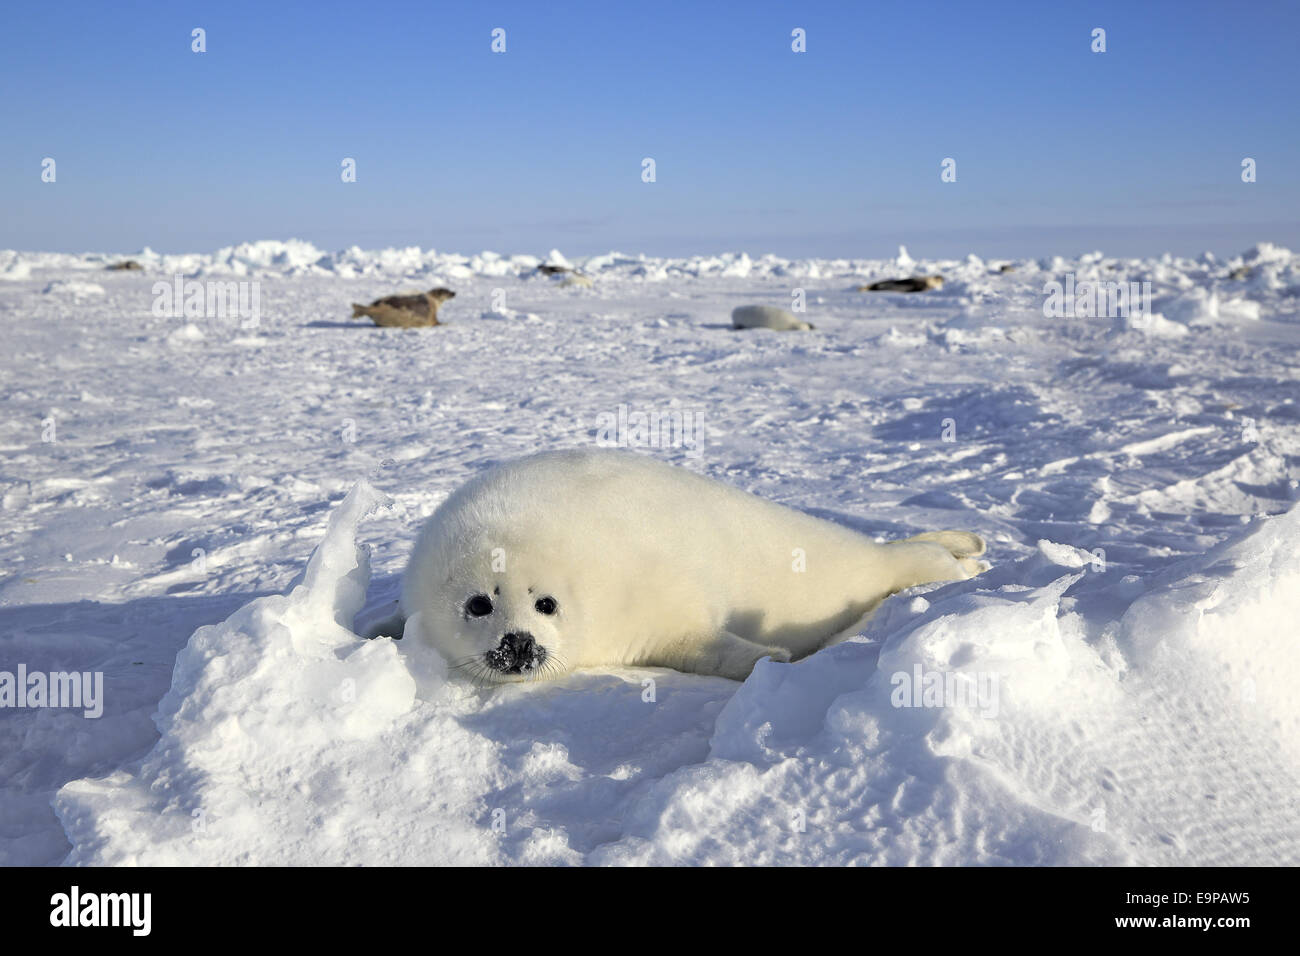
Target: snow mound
{"type": "Point", "coordinates": [1157, 743]}
{"type": "Point", "coordinates": [986, 723]}
{"type": "Point", "coordinates": [1150, 323]}
{"type": "Point", "coordinates": [1267, 252]}
{"type": "Point", "coordinates": [73, 287]}
{"type": "Point", "coordinates": [265, 730]}
{"type": "Point", "coordinates": [185, 335]}
{"type": "Point", "coordinates": [1273, 269]}
{"type": "Point", "coordinates": [1201, 307]}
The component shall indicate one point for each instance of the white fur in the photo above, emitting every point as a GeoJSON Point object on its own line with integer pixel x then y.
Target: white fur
{"type": "Point", "coordinates": [766, 317]}
{"type": "Point", "coordinates": [650, 565]}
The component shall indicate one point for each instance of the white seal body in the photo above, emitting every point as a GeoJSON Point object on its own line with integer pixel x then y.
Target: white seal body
{"type": "Point", "coordinates": [767, 317]}
{"type": "Point", "coordinates": [585, 558]}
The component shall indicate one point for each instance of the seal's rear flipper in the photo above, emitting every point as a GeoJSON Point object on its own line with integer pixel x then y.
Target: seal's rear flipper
{"type": "Point", "coordinates": [938, 556]}
{"type": "Point", "coordinates": [962, 544]}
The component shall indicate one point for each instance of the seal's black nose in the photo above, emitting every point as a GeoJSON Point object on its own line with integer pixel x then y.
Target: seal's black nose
{"type": "Point", "coordinates": [520, 646]}
{"type": "Point", "coordinates": [516, 654]}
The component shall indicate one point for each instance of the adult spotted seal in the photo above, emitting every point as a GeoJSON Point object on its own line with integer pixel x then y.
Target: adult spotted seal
{"type": "Point", "coordinates": [405, 311]}
{"type": "Point", "coordinates": [913, 284]}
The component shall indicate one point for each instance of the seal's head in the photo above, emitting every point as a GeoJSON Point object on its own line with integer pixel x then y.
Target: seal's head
{"type": "Point", "coordinates": [493, 594]}
{"type": "Point", "coordinates": [501, 629]}
{"type": "Point", "coordinates": [542, 565]}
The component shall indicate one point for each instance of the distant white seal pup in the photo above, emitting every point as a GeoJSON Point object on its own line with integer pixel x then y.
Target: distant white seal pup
{"type": "Point", "coordinates": [913, 284]}
{"type": "Point", "coordinates": [584, 558]}
{"type": "Point", "coordinates": [767, 317]}
{"type": "Point", "coordinates": [405, 311]}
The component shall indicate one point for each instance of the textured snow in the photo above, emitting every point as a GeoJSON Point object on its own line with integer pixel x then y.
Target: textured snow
{"type": "Point", "coordinates": [221, 505]}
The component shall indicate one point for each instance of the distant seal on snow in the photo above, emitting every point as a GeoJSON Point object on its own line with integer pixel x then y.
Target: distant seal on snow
{"type": "Point", "coordinates": [913, 284]}
{"type": "Point", "coordinates": [585, 558]}
{"type": "Point", "coordinates": [767, 317]}
{"type": "Point", "coordinates": [569, 276]}
{"type": "Point", "coordinates": [405, 311]}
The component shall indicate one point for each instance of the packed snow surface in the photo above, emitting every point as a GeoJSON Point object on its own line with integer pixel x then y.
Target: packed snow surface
{"type": "Point", "coordinates": [207, 508]}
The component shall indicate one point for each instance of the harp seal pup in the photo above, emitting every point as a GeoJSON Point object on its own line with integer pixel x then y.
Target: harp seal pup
{"type": "Point", "coordinates": [584, 558]}
{"type": "Point", "coordinates": [767, 317]}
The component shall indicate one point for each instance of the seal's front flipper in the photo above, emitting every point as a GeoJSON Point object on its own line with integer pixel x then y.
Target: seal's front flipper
{"type": "Point", "coordinates": [723, 655]}
{"type": "Point", "coordinates": [385, 620]}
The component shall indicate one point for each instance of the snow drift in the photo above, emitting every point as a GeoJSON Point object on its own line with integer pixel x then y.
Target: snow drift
{"type": "Point", "coordinates": [1114, 690]}
{"type": "Point", "coordinates": [1170, 736]}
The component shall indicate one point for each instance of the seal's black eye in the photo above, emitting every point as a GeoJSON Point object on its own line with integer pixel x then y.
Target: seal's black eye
{"type": "Point", "coordinates": [479, 605]}
{"type": "Point", "coordinates": [545, 605]}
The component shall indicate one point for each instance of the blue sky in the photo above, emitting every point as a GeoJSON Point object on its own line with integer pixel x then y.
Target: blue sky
{"type": "Point", "coordinates": [835, 151]}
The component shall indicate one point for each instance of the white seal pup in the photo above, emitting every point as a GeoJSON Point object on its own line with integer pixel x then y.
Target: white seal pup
{"type": "Point", "coordinates": [767, 317]}
{"type": "Point", "coordinates": [585, 558]}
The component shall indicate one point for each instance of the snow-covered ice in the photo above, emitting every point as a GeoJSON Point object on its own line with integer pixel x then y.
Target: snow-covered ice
{"type": "Point", "coordinates": [201, 510]}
